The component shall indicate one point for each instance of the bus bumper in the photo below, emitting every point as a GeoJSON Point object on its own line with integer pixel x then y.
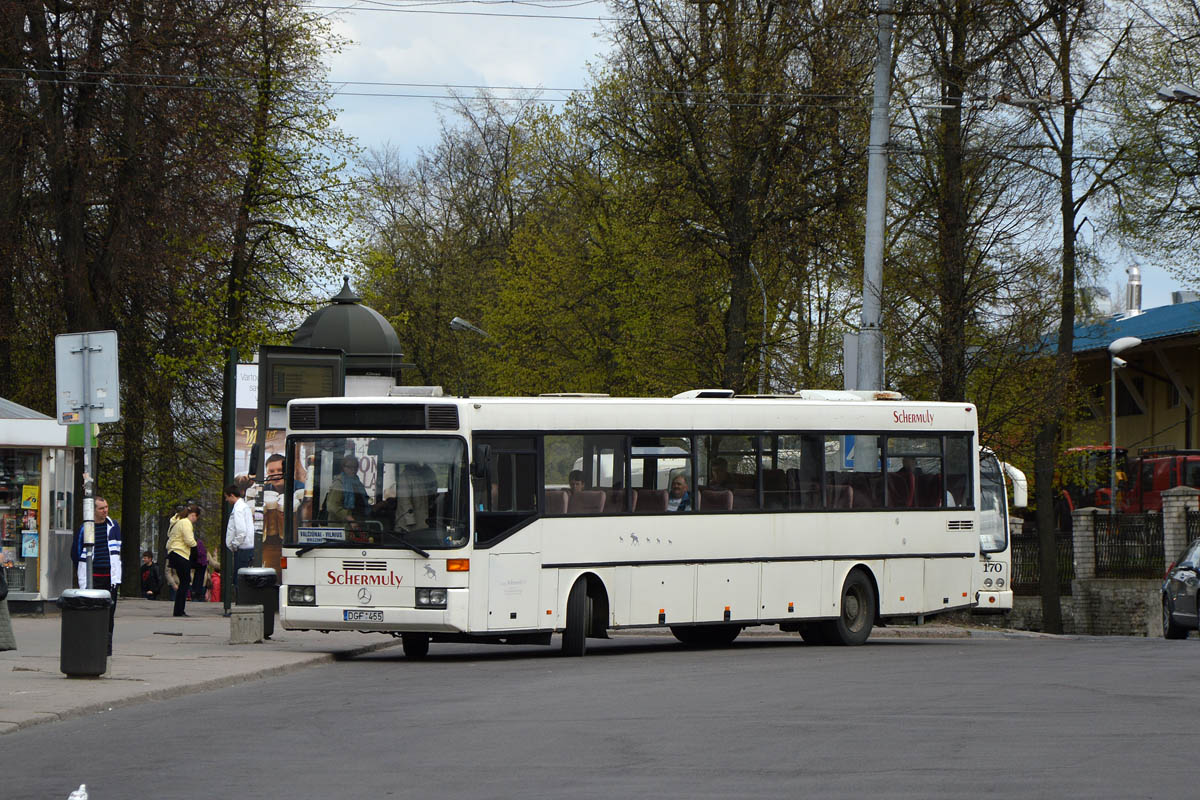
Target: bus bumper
{"type": "Point", "coordinates": [451, 619]}
{"type": "Point", "coordinates": [993, 602]}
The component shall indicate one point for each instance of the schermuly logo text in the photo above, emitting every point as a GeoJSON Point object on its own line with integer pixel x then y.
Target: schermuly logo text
{"type": "Point", "coordinates": [357, 579]}
{"type": "Point", "coordinates": [913, 417]}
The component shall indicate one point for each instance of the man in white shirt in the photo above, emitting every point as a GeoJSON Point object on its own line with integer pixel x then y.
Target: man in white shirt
{"type": "Point", "coordinates": [239, 536]}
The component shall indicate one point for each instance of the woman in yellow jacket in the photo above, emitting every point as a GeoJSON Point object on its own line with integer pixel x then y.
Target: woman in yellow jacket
{"type": "Point", "coordinates": [180, 541]}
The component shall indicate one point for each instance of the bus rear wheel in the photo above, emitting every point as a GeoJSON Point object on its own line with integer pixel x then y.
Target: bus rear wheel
{"type": "Point", "coordinates": [416, 645]}
{"type": "Point", "coordinates": [854, 624]}
{"type": "Point", "coordinates": [574, 637]}
{"type": "Point", "coordinates": [706, 635]}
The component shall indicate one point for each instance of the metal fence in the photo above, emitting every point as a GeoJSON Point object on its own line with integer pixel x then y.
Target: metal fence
{"type": "Point", "coordinates": [1193, 526]}
{"type": "Point", "coordinates": [1128, 545]}
{"type": "Point", "coordinates": [1026, 563]}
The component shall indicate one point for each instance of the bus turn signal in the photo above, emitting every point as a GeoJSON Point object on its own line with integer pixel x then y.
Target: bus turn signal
{"type": "Point", "coordinates": [458, 565]}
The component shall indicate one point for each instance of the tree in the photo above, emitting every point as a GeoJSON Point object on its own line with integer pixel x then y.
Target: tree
{"type": "Point", "coordinates": [126, 153]}
{"type": "Point", "coordinates": [1155, 208]}
{"type": "Point", "coordinates": [966, 208]}
{"type": "Point", "coordinates": [1055, 61]}
{"type": "Point", "coordinates": [737, 108]}
{"type": "Point", "coordinates": [437, 231]}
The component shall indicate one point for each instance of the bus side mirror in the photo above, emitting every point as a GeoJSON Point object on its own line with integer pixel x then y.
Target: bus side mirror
{"type": "Point", "coordinates": [1019, 485]}
{"type": "Point", "coordinates": [479, 464]}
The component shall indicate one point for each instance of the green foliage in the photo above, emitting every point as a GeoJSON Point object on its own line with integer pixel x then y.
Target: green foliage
{"type": "Point", "coordinates": [1156, 207]}
{"type": "Point", "coordinates": [188, 211]}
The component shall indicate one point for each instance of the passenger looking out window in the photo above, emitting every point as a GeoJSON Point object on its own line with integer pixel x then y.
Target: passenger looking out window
{"type": "Point", "coordinates": [679, 499]}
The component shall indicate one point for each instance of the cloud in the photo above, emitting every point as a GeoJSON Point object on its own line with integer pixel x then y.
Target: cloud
{"type": "Point", "coordinates": [440, 50]}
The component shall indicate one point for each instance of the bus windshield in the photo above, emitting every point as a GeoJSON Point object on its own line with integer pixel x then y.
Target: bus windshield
{"type": "Point", "coordinates": [398, 491]}
{"type": "Point", "coordinates": [993, 512]}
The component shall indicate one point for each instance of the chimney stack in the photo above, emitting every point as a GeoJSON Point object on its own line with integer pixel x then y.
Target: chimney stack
{"type": "Point", "coordinates": [1133, 292]}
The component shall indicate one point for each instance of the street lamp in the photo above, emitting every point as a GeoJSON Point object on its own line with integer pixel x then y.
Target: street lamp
{"type": "Point", "coordinates": [1116, 347]}
{"type": "Point", "coordinates": [460, 324]}
{"type": "Point", "coordinates": [1179, 93]}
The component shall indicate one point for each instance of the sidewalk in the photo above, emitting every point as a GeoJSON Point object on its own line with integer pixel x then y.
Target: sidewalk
{"type": "Point", "coordinates": [155, 656]}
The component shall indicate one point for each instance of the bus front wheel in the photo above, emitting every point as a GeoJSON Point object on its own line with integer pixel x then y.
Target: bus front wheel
{"type": "Point", "coordinates": [854, 624]}
{"type": "Point", "coordinates": [574, 637]}
{"type": "Point", "coordinates": [416, 645]}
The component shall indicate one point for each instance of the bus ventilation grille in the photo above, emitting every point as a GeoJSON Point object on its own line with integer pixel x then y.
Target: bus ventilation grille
{"type": "Point", "coordinates": [303, 418]}
{"type": "Point", "coordinates": [960, 525]}
{"type": "Point", "coordinates": [363, 566]}
{"type": "Point", "coordinates": [442, 418]}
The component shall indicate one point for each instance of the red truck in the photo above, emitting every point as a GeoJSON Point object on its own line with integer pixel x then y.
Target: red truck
{"type": "Point", "coordinates": [1156, 470]}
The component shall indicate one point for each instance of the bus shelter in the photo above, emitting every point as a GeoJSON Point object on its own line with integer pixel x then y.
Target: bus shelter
{"type": "Point", "coordinates": [37, 494]}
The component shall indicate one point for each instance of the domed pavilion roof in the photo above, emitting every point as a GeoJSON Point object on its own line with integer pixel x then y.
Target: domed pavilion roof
{"type": "Point", "coordinates": [362, 333]}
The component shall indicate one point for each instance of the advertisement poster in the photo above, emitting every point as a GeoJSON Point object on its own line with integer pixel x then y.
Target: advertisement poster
{"type": "Point", "coordinates": [29, 544]}
{"type": "Point", "coordinates": [29, 496]}
{"type": "Point", "coordinates": [264, 493]}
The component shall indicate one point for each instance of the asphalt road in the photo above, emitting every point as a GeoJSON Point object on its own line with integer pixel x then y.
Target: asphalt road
{"type": "Point", "coordinates": [640, 716]}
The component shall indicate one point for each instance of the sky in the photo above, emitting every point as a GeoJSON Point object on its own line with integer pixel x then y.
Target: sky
{"type": "Point", "coordinates": [421, 48]}
{"type": "Point", "coordinates": [391, 80]}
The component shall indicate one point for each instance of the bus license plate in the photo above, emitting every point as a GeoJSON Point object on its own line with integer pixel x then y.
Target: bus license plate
{"type": "Point", "coordinates": [357, 615]}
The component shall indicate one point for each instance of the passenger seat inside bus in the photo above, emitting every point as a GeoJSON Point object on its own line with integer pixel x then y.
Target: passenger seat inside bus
{"type": "Point", "coordinates": [839, 496]}
{"type": "Point", "coordinates": [556, 501]}
{"type": "Point", "coordinates": [648, 501]}
{"type": "Point", "coordinates": [775, 489]}
{"type": "Point", "coordinates": [929, 491]}
{"type": "Point", "coordinates": [901, 489]}
{"type": "Point", "coordinates": [614, 499]}
{"type": "Point", "coordinates": [716, 500]}
{"type": "Point", "coordinates": [745, 499]}
{"type": "Point", "coordinates": [588, 501]}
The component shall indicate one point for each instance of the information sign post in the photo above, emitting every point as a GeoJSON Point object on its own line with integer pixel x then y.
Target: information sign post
{"type": "Point", "coordinates": [88, 391]}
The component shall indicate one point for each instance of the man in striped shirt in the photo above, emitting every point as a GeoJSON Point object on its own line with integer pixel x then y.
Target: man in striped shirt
{"type": "Point", "coordinates": [106, 563]}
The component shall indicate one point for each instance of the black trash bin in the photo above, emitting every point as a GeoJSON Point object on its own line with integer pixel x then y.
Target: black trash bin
{"type": "Point", "coordinates": [259, 586]}
{"type": "Point", "coordinates": [83, 650]}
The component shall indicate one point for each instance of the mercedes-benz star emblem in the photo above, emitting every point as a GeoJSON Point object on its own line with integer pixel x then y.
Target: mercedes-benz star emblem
{"type": "Point", "coordinates": [364, 595]}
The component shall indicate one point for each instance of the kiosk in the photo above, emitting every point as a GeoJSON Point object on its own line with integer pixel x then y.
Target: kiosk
{"type": "Point", "coordinates": [37, 498]}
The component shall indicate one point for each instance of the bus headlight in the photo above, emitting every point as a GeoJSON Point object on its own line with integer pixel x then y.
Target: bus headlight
{"type": "Point", "coordinates": [999, 583]}
{"type": "Point", "coordinates": [431, 598]}
{"type": "Point", "coordinates": [987, 583]}
{"type": "Point", "coordinates": [302, 595]}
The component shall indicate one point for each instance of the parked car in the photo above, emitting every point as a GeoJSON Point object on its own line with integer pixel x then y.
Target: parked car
{"type": "Point", "coordinates": [1180, 594]}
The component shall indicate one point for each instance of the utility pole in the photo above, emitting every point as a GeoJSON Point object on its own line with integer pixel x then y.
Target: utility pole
{"type": "Point", "coordinates": [870, 339]}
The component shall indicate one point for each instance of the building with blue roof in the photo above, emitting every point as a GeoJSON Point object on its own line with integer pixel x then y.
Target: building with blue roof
{"type": "Point", "coordinates": [1156, 389]}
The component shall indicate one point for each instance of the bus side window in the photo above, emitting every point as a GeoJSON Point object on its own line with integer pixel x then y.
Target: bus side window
{"type": "Point", "coordinates": [957, 469]}
{"type": "Point", "coordinates": [730, 463]}
{"type": "Point", "coordinates": [509, 495]}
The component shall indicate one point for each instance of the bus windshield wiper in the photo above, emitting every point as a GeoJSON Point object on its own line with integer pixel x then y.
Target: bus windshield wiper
{"type": "Point", "coordinates": [413, 547]}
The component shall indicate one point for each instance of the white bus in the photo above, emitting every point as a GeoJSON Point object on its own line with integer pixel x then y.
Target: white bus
{"type": "Point", "coordinates": [508, 520]}
{"type": "Point", "coordinates": [993, 575]}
